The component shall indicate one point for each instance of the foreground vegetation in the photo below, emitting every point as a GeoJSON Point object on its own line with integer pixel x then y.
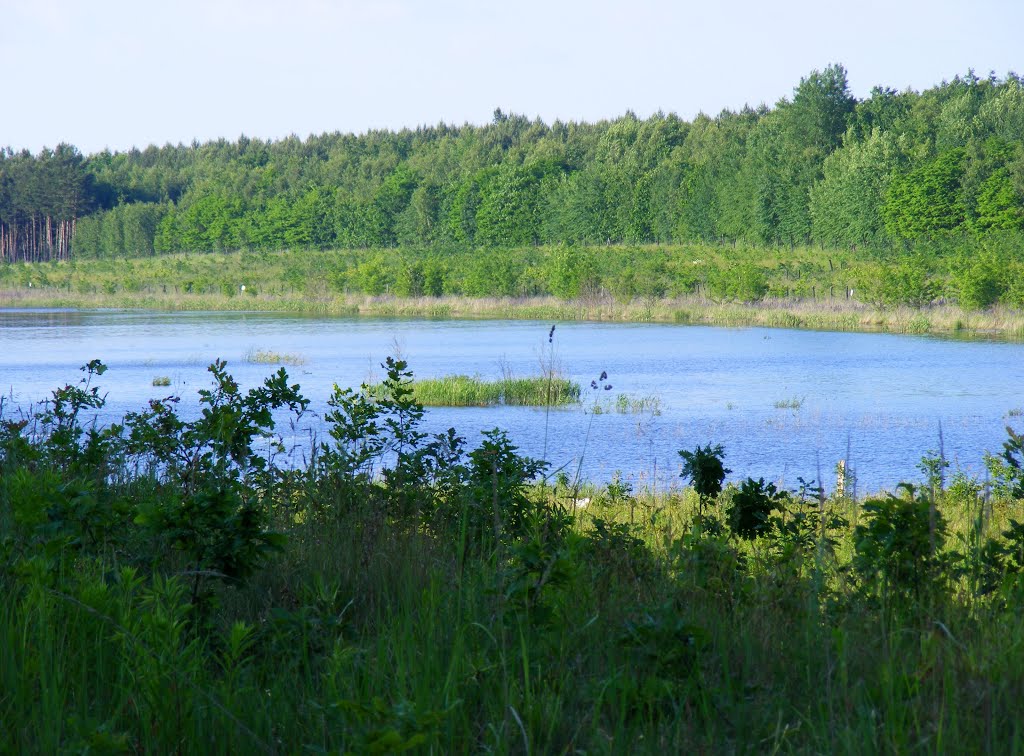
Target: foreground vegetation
{"type": "Point", "coordinates": [167, 588]}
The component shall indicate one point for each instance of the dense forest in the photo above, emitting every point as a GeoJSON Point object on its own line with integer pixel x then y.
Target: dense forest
{"type": "Point", "coordinates": [820, 167]}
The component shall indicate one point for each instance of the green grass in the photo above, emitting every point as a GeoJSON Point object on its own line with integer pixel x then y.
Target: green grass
{"type": "Point", "coordinates": [793, 403]}
{"type": "Point", "coordinates": [655, 638]}
{"type": "Point", "coordinates": [473, 391]}
{"type": "Point", "coordinates": [162, 380]}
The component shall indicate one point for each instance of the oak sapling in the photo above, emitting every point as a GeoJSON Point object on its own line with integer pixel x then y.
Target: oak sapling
{"type": "Point", "coordinates": [703, 466]}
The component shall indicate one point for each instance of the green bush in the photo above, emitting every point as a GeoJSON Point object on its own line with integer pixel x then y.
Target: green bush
{"type": "Point", "coordinates": [704, 468]}
{"type": "Point", "coordinates": [899, 551]}
{"type": "Point", "coordinates": [751, 507]}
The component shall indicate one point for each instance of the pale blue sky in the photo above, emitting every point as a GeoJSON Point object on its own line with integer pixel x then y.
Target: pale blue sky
{"type": "Point", "coordinates": [131, 72]}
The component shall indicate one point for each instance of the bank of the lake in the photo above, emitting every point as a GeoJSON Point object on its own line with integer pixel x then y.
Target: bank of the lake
{"type": "Point", "coordinates": [817, 314]}
{"type": "Point", "coordinates": [936, 291]}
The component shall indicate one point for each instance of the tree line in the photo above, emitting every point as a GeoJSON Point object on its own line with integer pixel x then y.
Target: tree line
{"type": "Point", "coordinates": [819, 167]}
{"type": "Point", "coordinates": [41, 199]}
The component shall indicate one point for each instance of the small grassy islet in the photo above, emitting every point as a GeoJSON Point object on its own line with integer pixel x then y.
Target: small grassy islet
{"type": "Point", "coordinates": [474, 391]}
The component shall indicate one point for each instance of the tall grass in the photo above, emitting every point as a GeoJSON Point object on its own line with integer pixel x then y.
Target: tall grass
{"type": "Point", "coordinates": [473, 391]}
{"type": "Point", "coordinates": [539, 391]}
{"type": "Point", "coordinates": [659, 639]}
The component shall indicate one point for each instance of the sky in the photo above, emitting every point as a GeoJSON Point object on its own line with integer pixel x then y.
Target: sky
{"type": "Point", "coordinates": [119, 74]}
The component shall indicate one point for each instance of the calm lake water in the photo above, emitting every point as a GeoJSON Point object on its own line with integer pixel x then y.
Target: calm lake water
{"type": "Point", "coordinates": [878, 400]}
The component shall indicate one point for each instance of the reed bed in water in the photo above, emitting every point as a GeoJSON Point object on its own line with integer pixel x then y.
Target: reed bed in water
{"type": "Point", "coordinates": [270, 357]}
{"type": "Point", "coordinates": [473, 391]}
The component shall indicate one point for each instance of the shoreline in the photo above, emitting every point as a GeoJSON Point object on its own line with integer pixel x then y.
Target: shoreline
{"type": "Point", "coordinates": [819, 315]}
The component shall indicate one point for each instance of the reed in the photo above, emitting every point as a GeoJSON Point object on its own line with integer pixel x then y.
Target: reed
{"type": "Point", "coordinates": [269, 357]}
{"type": "Point", "coordinates": [473, 391]}
{"type": "Point", "coordinates": [539, 391]}
{"type": "Point", "coordinates": [626, 404]}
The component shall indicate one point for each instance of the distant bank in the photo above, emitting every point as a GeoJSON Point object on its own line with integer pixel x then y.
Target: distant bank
{"type": "Point", "coordinates": [969, 292]}
{"type": "Point", "coordinates": [821, 314]}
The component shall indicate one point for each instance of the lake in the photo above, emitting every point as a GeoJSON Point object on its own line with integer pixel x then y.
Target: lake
{"type": "Point", "coordinates": [784, 404]}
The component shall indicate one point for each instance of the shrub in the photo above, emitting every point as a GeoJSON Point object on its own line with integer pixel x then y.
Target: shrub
{"type": "Point", "coordinates": [751, 507]}
{"type": "Point", "coordinates": [704, 468]}
{"type": "Point", "coordinates": [211, 510]}
{"type": "Point", "coordinates": [496, 503]}
{"type": "Point", "coordinates": [899, 550]}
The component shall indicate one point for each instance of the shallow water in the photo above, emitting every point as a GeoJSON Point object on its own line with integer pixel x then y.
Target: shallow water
{"type": "Point", "coordinates": [877, 399]}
